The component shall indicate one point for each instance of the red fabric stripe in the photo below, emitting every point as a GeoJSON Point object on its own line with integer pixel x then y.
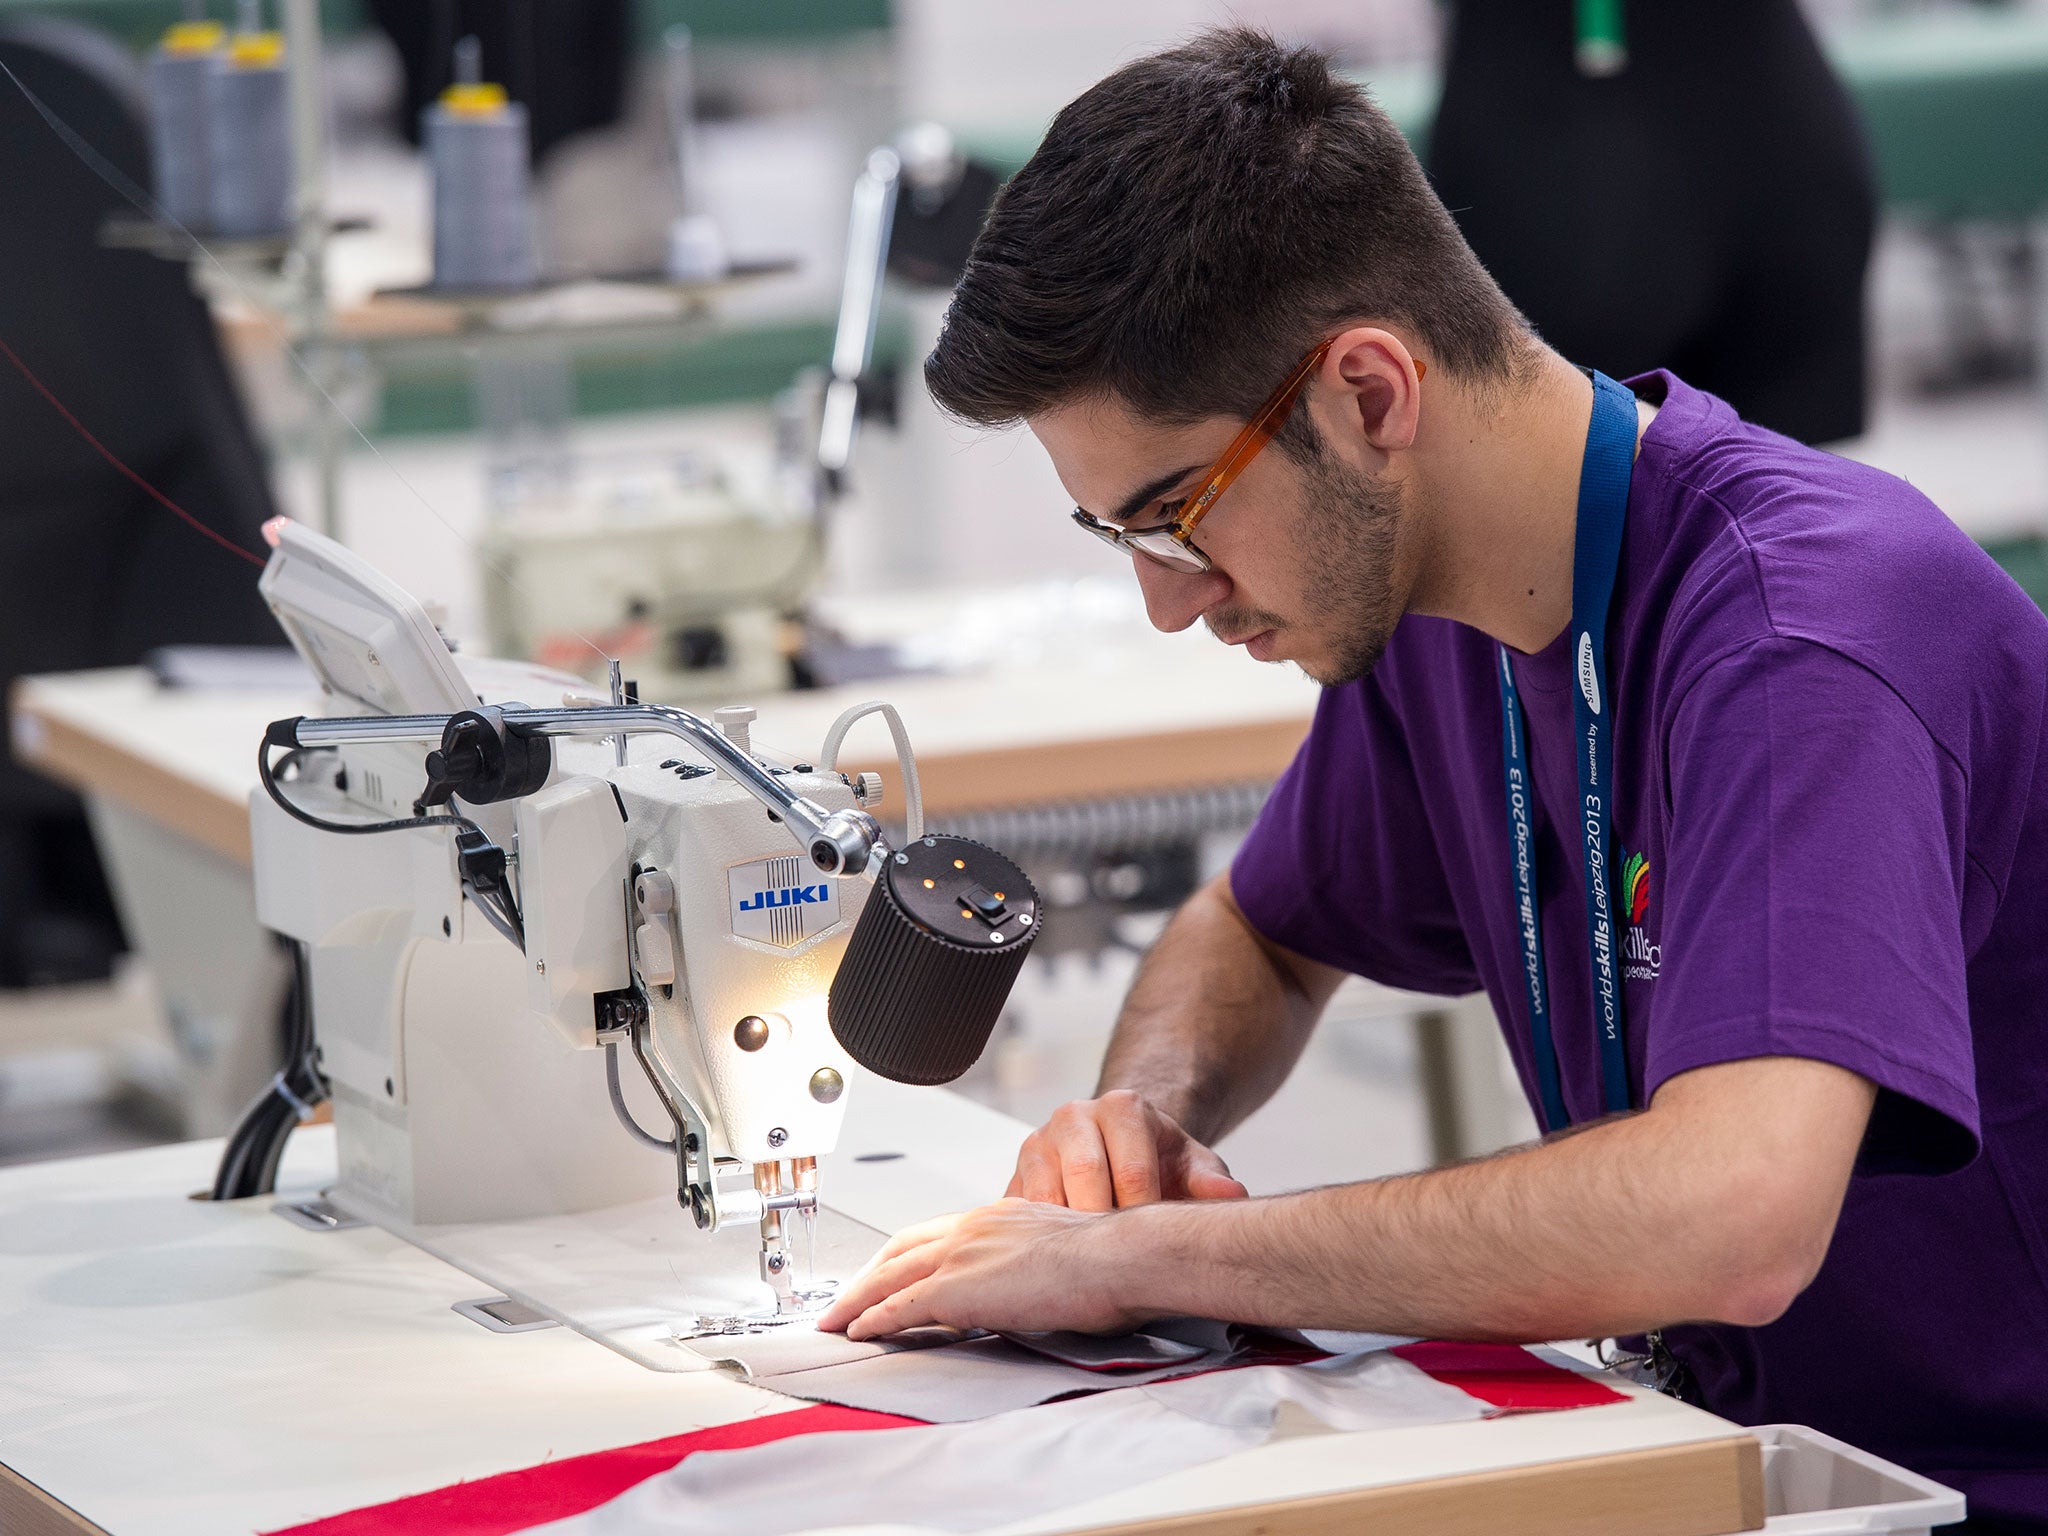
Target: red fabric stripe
{"type": "Point", "coordinates": [1504, 1375]}
{"type": "Point", "coordinates": [1507, 1376]}
{"type": "Point", "coordinates": [512, 1501]}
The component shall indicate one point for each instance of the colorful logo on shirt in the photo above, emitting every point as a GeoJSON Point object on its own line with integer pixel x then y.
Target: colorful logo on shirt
{"type": "Point", "coordinates": [1635, 886]}
{"type": "Point", "coordinates": [1644, 960]}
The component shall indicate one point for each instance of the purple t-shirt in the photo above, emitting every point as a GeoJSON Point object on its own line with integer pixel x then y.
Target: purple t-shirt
{"type": "Point", "coordinates": [1832, 819]}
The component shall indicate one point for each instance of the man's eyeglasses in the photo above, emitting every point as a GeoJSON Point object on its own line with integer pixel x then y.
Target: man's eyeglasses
{"type": "Point", "coordinates": [1172, 543]}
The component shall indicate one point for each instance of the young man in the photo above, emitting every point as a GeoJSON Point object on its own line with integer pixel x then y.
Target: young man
{"type": "Point", "coordinates": [1750, 852]}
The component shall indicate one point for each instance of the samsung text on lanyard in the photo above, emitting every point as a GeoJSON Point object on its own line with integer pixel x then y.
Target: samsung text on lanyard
{"type": "Point", "coordinates": [1603, 509]}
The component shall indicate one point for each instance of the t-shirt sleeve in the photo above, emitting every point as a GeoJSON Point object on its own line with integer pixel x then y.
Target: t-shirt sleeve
{"type": "Point", "coordinates": [1341, 865]}
{"type": "Point", "coordinates": [1813, 894]}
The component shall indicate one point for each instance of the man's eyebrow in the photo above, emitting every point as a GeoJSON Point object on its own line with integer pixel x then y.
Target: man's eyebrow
{"type": "Point", "coordinates": [1136, 502]}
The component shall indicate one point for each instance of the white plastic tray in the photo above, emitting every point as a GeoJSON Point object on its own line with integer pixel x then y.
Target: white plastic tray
{"type": "Point", "coordinates": [1814, 1485]}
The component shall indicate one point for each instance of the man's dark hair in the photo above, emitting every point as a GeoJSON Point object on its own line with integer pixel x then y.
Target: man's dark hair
{"type": "Point", "coordinates": [1190, 227]}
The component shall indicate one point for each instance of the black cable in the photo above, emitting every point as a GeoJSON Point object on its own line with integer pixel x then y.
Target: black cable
{"type": "Point", "coordinates": [249, 1163]}
{"type": "Point", "coordinates": [499, 908]}
{"type": "Point", "coordinates": [507, 923]}
{"type": "Point", "coordinates": [267, 774]}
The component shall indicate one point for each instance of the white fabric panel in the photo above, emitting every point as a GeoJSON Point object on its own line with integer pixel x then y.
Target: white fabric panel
{"type": "Point", "coordinates": [988, 1472]}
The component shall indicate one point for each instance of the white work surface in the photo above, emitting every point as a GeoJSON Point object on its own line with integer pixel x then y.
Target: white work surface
{"type": "Point", "coordinates": [173, 1367]}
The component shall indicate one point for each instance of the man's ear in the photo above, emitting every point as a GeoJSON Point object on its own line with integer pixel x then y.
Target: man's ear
{"type": "Point", "coordinates": [1374, 381]}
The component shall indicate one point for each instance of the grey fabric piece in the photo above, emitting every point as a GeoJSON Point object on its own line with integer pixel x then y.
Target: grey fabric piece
{"type": "Point", "coordinates": [964, 1381]}
{"type": "Point", "coordinates": [976, 1377]}
{"type": "Point", "coordinates": [765, 1357]}
{"type": "Point", "coordinates": [943, 1377]}
{"type": "Point", "coordinates": [1173, 1341]}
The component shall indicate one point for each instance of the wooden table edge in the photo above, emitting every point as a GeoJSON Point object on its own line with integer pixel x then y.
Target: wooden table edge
{"type": "Point", "coordinates": [1699, 1488]}
{"type": "Point", "coordinates": [1051, 773]}
{"type": "Point", "coordinates": [60, 750]}
{"type": "Point", "coordinates": [26, 1510]}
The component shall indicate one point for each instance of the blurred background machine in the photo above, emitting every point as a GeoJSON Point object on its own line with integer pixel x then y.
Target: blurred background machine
{"type": "Point", "coordinates": [694, 569]}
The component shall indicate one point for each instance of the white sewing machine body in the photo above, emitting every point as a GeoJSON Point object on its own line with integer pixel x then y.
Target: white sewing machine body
{"type": "Point", "coordinates": [466, 1084]}
{"type": "Point", "coordinates": [474, 978]}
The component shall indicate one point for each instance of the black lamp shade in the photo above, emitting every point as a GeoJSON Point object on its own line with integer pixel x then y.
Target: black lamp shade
{"type": "Point", "coordinates": [932, 959]}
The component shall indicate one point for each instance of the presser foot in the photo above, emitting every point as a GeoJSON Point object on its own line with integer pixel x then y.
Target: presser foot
{"type": "Point", "coordinates": [777, 1271]}
{"type": "Point", "coordinates": [808, 1304]}
{"type": "Point", "coordinates": [781, 1205]}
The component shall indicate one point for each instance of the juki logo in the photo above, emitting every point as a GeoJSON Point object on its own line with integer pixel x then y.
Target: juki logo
{"type": "Point", "coordinates": [1644, 959]}
{"type": "Point", "coordinates": [773, 902]}
{"type": "Point", "coordinates": [795, 896]}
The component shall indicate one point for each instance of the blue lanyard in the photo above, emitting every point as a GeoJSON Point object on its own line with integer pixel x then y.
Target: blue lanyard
{"type": "Point", "coordinates": [1603, 508]}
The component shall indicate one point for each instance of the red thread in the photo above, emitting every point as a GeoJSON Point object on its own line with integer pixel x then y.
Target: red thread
{"type": "Point", "coordinates": [107, 454]}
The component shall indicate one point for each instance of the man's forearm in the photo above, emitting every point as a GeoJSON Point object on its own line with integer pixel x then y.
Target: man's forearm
{"type": "Point", "coordinates": [1717, 1211]}
{"type": "Point", "coordinates": [1475, 1251]}
{"type": "Point", "coordinates": [1212, 1024]}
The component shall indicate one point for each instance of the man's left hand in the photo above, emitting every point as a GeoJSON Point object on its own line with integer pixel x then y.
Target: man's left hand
{"type": "Point", "coordinates": [1015, 1266]}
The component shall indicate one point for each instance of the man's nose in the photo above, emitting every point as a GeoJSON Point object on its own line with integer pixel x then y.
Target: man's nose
{"type": "Point", "coordinates": [1175, 599]}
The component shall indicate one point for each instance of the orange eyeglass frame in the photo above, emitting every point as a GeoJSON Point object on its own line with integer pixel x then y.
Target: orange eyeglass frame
{"type": "Point", "coordinates": [1172, 544]}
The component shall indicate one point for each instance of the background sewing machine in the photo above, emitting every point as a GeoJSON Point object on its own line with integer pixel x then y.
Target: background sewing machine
{"type": "Point", "coordinates": [689, 567]}
{"type": "Point", "coordinates": [488, 899]}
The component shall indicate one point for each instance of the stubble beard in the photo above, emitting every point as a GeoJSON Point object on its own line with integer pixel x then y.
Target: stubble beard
{"type": "Point", "coordinates": [1344, 538]}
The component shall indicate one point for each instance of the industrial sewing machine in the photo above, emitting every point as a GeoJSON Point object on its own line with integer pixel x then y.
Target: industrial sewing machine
{"type": "Point", "coordinates": [490, 900]}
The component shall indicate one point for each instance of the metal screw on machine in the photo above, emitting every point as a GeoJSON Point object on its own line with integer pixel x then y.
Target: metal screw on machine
{"type": "Point", "coordinates": [751, 1033]}
{"type": "Point", "coordinates": [732, 720]}
{"type": "Point", "coordinates": [827, 1085]}
{"type": "Point", "coordinates": [777, 1137]}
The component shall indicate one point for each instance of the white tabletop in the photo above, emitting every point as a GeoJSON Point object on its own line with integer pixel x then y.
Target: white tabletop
{"type": "Point", "coordinates": [175, 1367]}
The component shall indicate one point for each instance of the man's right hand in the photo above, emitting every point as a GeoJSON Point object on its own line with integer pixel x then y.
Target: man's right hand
{"type": "Point", "coordinates": [1117, 1150]}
